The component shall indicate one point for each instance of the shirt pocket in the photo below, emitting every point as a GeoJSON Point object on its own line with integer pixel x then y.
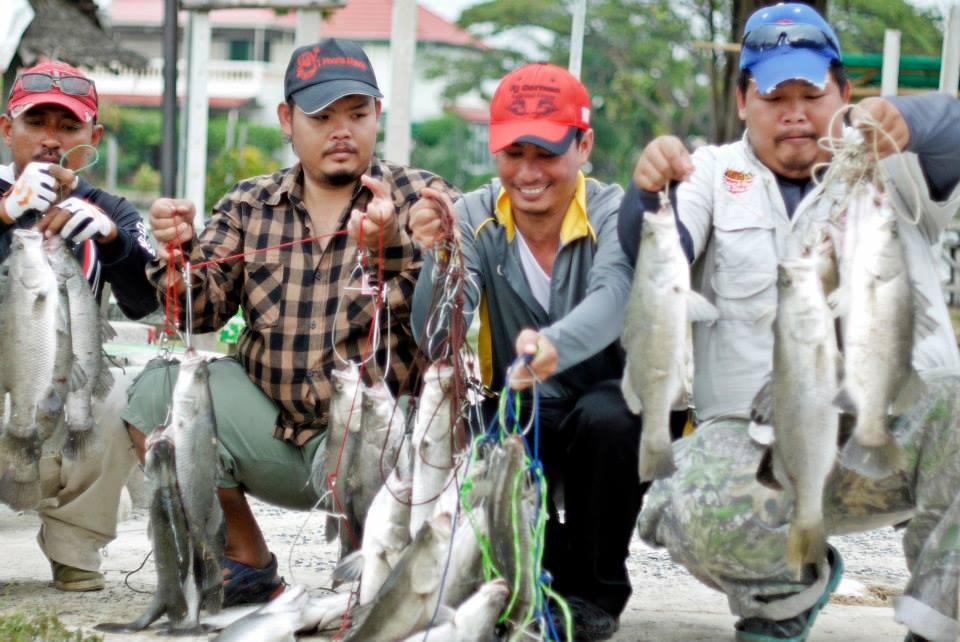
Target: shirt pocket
{"type": "Point", "coordinates": [263, 289]}
{"type": "Point", "coordinates": [745, 237]}
{"type": "Point", "coordinates": [746, 303]}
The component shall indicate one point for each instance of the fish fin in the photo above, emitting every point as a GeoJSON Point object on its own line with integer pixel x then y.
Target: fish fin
{"type": "Point", "coordinates": [844, 402]}
{"type": "Point", "coordinates": [63, 323]}
{"type": "Point", "coordinates": [19, 450]}
{"type": "Point", "coordinates": [107, 332]}
{"type": "Point", "coordinates": [51, 403]}
{"type": "Point", "coordinates": [79, 442]}
{"type": "Point", "coordinates": [761, 433]}
{"type": "Point", "coordinates": [875, 462]}
{"type": "Point", "coordinates": [699, 309]}
{"type": "Point", "coordinates": [78, 377]}
{"type": "Point", "coordinates": [104, 382]}
{"type": "Point", "coordinates": [806, 546]}
{"type": "Point", "coordinates": [765, 472]}
{"type": "Point", "coordinates": [761, 409]}
{"type": "Point", "coordinates": [655, 464]}
{"type": "Point", "coordinates": [924, 324]}
{"type": "Point", "coordinates": [629, 395]}
{"type": "Point", "coordinates": [19, 495]}
{"type": "Point", "coordinates": [331, 530]}
{"type": "Point", "coordinates": [839, 302]}
{"type": "Point", "coordinates": [912, 389]}
{"type": "Point", "coordinates": [445, 614]}
{"type": "Point", "coordinates": [349, 569]}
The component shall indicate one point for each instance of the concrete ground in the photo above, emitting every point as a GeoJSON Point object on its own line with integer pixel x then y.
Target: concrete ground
{"type": "Point", "coordinates": [667, 605]}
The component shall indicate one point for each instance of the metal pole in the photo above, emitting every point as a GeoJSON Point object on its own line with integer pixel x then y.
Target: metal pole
{"type": "Point", "coordinates": [576, 37]}
{"type": "Point", "coordinates": [308, 27]}
{"type": "Point", "coordinates": [195, 176]}
{"type": "Point", "coordinates": [890, 73]}
{"type": "Point", "coordinates": [950, 60]}
{"type": "Point", "coordinates": [403, 53]}
{"type": "Point", "coordinates": [168, 144]}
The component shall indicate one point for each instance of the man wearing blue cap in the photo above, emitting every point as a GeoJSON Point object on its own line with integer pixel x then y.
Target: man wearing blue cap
{"type": "Point", "coordinates": [742, 208]}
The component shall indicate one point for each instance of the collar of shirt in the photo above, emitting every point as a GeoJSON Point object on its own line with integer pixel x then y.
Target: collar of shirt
{"type": "Point", "coordinates": [291, 186]}
{"type": "Point", "coordinates": [576, 223]}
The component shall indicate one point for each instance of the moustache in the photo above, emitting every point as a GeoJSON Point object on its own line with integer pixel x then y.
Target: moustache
{"type": "Point", "coordinates": [794, 134]}
{"type": "Point", "coordinates": [340, 149]}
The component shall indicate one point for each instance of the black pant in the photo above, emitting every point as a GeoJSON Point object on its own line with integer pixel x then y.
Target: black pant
{"type": "Point", "coordinates": [589, 449]}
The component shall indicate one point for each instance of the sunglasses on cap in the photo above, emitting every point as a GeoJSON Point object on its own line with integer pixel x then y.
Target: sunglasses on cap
{"type": "Point", "coordinates": [40, 82]}
{"type": "Point", "coordinates": [767, 37]}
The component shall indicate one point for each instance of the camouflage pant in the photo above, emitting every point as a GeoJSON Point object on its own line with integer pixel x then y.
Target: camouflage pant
{"type": "Point", "coordinates": [731, 532]}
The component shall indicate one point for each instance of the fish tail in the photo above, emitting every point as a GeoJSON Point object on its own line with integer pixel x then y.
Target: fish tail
{"type": "Point", "coordinates": [806, 545]}
{"type": "Point", "coordinates": [19, 493]}
{"type": "Point", "coordinates": [20, 449]}
{"type": "Point", "coordinates": [875, 462]}
{"type": "Point", "coordinates": [655, 463]}
{"type": "Point", "coordinates": [80, 438]}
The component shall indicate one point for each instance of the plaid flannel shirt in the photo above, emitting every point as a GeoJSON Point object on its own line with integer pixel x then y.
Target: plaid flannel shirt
{"type": "Point", "coordinates": [298, 301]}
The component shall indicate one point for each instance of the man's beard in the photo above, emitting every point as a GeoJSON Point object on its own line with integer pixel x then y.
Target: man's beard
{"type": "Point", "coordinates": [339, 179]}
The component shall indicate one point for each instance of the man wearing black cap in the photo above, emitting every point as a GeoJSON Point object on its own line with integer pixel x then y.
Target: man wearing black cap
{"type": "Point", "coordinates": [540, 242]}
{"type": "Point", "coordinates": [49, 126]}
{"type": "Point", "coordinates": [743, 208]}
{"type": "Point", "coordinates": [301, 289]}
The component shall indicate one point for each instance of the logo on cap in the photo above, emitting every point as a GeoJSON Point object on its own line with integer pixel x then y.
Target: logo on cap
{"type": "Point", "coordinates": [308, 64]}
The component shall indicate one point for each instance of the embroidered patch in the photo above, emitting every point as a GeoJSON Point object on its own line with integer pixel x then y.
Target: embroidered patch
{"type": "Point", "coordinates": [737, 182]}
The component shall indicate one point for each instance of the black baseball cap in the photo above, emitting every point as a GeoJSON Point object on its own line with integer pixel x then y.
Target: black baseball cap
{"type": "Point", "coordinates": [324, 72]}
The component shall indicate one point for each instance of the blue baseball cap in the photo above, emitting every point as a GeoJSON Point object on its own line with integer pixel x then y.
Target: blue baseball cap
{"type": "Point", "coordinates": [788, 41]}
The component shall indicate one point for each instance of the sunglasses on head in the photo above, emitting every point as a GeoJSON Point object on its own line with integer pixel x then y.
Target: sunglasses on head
{"type": "Point", "coordinates": [73, 85]}
{"type": "Point", "coordinates": [796, 35]}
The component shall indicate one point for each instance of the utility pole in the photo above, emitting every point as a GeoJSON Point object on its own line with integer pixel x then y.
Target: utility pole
{"type": "Point", "coordinates": [950, 60]}
{"type": "Point", "coordinates": [403, 53]}
{"type": "Point", "coordinates": [576, 37]}
{"type": "Point", "coordinates": [168, 141]}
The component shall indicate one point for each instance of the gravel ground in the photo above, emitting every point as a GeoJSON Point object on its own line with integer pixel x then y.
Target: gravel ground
{"type": "Point", "coordinates": [667, 604]}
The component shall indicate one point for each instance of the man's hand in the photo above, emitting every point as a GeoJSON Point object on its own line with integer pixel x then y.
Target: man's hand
{"type": "Point", "coordinates": [664, 159]}
{"type": "Point", "coordinates": [542, 357]}
{"type": "Point", "coordinates": [426, 217]}
{"type": "Point", "coordinates": [171, 218]}
{"type": "Point", "coordinates": [77, 220]}
{"type": "Point", "coordinates": [36, 189]}
{"type": "Point", "coordinates": [891, 121]}
{"type": "Point", "coordinates": [380, 215]}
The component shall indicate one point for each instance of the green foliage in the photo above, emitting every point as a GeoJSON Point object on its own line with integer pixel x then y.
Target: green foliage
{"type": "Point", "coordinates": [145, 179]}
{"type": "Point", "coordinates": [40, 627]}
{"type": "Point", "coordinates": [860, 25]}
{"type": "Point", "coordinates": [231, 166]}
{"type": "Point", "coordinates": [439, 146]}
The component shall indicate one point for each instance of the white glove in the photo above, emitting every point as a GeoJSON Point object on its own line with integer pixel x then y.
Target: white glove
{"type": "Point", "coordinates": [86, 220]}
{"type": "Point", "coordinates": [34, 190]}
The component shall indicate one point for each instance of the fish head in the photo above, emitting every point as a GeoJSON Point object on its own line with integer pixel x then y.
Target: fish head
{"type": "Point", "coordinates": [160, 452]}
{"type": "Point", "coordinates": [799, 277]}
{"type": "Point", "coordinates": [28, 262]}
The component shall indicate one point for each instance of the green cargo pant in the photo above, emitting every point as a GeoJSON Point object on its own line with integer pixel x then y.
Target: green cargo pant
{"type": "Point", "coordinates": [730, 532]}
{"type": "Point", "coordinates": [250, 456]}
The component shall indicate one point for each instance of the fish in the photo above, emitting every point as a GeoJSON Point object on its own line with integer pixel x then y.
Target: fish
{"type": "Point", "coordinates": [88, 332]}
{"type": "Point", "coordinates": [408, 598]}
{"type": "Point", "coordinates": [474, 620]}
{"type": "Point", "coordinates": [511, 521]}
{"type": "Point", "coordinates": [176, 595]}
{"type": "Point", "coordinates": [28, 344]}
{"type": "Point", "coordinates": [878, 336]}
{"type": "Point", "coordinates": [382, 425]}
{"type": "Point", "coordinates": [432, 443]}
{"type": "Point", "coordinates": [194, 429]}
{"type": "Point", "coordinates": [275, 621]}
{"type": "Point", "coordinates": [655, 332]}
{"type": "Point", "coordinates": [805, 421]}
{"type": "Point", "coordinates": [314, 613]}
{"type": "Point", "coordinates": [386, 532]}
{"type": "Point", "coordinates": [342, 431]}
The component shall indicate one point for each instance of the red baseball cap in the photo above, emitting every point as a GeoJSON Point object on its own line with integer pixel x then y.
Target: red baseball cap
{"type": "Point", "coordinates": [541, 104]}
{"type": "Point", "coordinates": [54, 83]}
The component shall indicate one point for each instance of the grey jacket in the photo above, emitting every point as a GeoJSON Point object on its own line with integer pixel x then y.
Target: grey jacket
{"type": "Point", "coordinates": [590, 283]}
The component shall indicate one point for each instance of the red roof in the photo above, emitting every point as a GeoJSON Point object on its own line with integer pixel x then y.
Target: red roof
{"type": "Point", "coordinates": [359, 20]}
{"type": "Point", "coordinates": [140, 100]}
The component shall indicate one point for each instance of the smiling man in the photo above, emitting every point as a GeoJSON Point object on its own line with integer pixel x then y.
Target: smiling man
{"type": "Point", "coordinates": [540, 241]}
{"type": "Point", "coordinates": [301, 300]}
{"type": "Point", "coordinates": [743, 208]}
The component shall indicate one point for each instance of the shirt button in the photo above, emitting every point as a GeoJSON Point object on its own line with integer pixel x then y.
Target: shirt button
{"type": "Point", "coordinates": [313, 325]}
{"type": "Point", "coordinates": [309, 373]}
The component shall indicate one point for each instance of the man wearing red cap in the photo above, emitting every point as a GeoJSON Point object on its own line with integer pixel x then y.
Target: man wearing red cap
{"type": "Point", "coordinates": [49, 126]}
{"type": "Point", "coordinates": [540, 242]}
{"type": "Point", "coordinates": [743, 208]}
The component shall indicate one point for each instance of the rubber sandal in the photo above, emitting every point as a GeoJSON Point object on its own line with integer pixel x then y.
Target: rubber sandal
{"type": "Point", "coordinates": [795, 629]}
{"type": "Point", "coordinates": [243, 584]}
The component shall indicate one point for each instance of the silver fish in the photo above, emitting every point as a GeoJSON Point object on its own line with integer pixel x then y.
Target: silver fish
{"type": "Point", "coordinates": [474, 620]}
{"type": "Point", "coordinates": [176, 595]}
{"type": "Point", "coordinates": [275, 621]}
{"type": "Point", "coordinates": [30, 323]}
{"type": "Point", "coordinates": [805, 422]}
{"type": "Point", "coordinates": [655, 337]}
{"type": "Point", "coordinates": [432, 443]}
{"type": "Point", "coordinates": [194, 429]}
{"type": "Point", "coordinates": [878, 335]}
{"type": "Point", "coordinates": [408, 598]}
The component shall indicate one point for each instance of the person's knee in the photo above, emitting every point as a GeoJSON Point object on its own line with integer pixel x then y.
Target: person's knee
{"type": "Point", "coordinates": [139, 440]}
